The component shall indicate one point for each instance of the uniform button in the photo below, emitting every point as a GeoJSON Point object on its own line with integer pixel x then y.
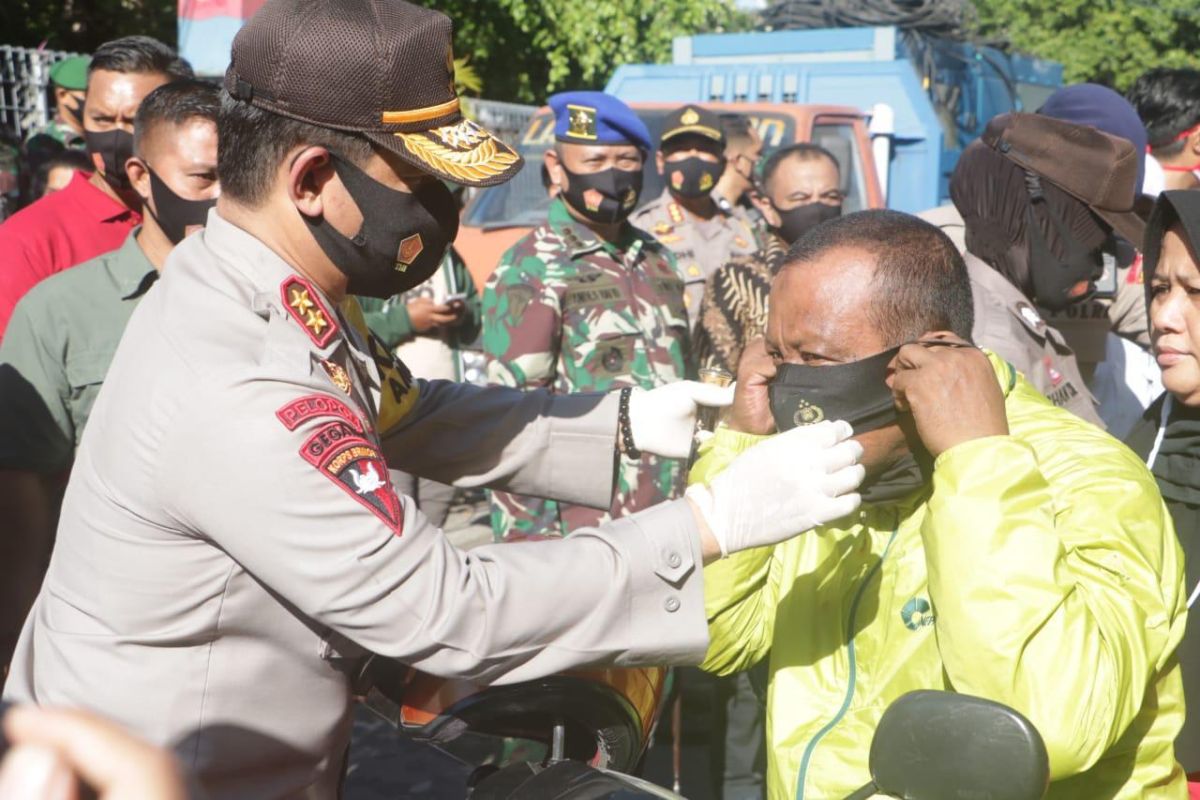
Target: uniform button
{"type": "Point", "coordinates": [613, 360]}
{"type": "Point", "coordinates": [671, 604]}
{"type": "Point", "coordinates": [673, 560]}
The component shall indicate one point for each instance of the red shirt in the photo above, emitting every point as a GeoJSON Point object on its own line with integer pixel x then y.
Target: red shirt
{"type": "Point", "coordinates": [58, 231]}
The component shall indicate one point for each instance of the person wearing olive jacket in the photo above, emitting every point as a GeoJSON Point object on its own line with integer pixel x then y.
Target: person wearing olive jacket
{"type": "Point", "coordinates": [1005, 548]}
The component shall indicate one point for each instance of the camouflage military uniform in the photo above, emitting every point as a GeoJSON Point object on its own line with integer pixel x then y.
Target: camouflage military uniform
{"type": "Point", "coordinates": [60, 132]}
{"type": "Point", "coordinates": [700, 246]}
{"type": "Point", "coordinates": [569, 312]}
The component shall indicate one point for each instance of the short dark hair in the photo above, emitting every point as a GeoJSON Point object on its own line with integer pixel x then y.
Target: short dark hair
{"type": "Point", "coordinates": [175, 102]}
{"type": "Point", "coordinates": [70, 159]}
{"type": "Point", "coordinates": [140, 54]}
{"type": "Point", "coordinates": [804, 151]}
{"type": "Point", "coordinates": [920, 282]}
{"type": "Point", "coordinates": [252, 142]}
{"type": "Point", "coordinates": [1168, 101]}
{"type": "Point", "coordinates": [736, 127]}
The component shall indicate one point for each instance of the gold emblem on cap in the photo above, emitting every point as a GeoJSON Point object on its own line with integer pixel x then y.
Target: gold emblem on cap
{"type": "Point", "coordinates": [808, 414]}
{"type": "Point", "coordinates": [410, 248]}
{"type": "Point", "coordinates": [690, 117]}
{"type": "Point", "coordinates": [581, 122]}
{"type": "Point", "coordinates": [485, 159]}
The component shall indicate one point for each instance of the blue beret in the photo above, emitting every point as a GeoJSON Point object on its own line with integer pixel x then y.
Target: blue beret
{"type": "Point", "coordinates": [1104, 110]}
{"type": "Point", "coordinates": [596, 118]}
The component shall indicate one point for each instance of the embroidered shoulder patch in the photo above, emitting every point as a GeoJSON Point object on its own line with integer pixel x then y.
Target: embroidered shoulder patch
{"type": "Point", "coordinates": [303, 302]}
{"type": "Point", "coordinates": [357, 468]}
{"type": "Point", "coordinates": [311, 406]}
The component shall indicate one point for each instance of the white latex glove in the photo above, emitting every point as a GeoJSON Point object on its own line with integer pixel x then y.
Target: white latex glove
{"type": "Point", "coordinates": [784, 486]}
{"type": "Point", "coordinates": [662, 420]}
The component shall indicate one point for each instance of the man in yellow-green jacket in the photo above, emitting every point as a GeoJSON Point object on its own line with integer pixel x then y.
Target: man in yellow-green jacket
{"type": "Point", "coordinates": [1005, 548]}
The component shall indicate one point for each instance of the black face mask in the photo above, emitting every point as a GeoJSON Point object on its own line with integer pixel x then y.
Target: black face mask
{"type": "Point", "coordinates": [795, 222]}
{"type": "Point", "coordinates": [114, 148]}
{"type": "Point", "coordinates": [1058, 283]}
{"type": "Point", "coordinates": [74, 108]}
{"type": "Point", "coordinates": [402, 239]}
{"type": "Point", "coordinates": [175, 214]}
{"type": "Point", "coordinates": [693, 177]}
{"type": "Point", "coordinates": [857, 393]}
{"type": "Point", "coordinates": [604, 197]}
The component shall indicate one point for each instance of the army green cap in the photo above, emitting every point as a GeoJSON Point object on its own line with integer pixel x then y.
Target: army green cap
{"type": "Point", "coordinates": [71, 73]}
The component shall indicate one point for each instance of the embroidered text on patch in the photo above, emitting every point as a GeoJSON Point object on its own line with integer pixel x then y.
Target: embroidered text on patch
{"type": "Point", "coordinates": [296, 412]}
{"type": "Point", "coordinates": [357, 468]}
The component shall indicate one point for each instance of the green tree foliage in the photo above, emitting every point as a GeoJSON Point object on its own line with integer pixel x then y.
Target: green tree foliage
{"type": "Point", "coordinates": [1104, 41]}
{"type": "Point", "coordinates": [83, 25]}
{"type": "Point", "coordinates": [526, 50]}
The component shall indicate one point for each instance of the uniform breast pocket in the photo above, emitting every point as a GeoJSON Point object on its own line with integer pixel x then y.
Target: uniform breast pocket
{"type": "Point", "coordinates": [85, 371]}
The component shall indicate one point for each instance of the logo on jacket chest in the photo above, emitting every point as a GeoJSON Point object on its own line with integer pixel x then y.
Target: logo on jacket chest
{"type": "Point", "coordinates": [917, 613]}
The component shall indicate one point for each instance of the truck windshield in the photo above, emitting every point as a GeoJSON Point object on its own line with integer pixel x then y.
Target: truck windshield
{"type": "Point", "coordinates": [522, 202]}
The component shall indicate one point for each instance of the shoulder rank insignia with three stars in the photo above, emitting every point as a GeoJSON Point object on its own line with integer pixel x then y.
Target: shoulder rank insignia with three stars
{"type": "Point", "coordinates": [675, 211]}
{"type": "Point", "coordinates": [304, 303]}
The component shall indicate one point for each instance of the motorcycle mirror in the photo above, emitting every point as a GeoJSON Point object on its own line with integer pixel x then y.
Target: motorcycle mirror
{"type": "Point", "coordinates": [944, 745]}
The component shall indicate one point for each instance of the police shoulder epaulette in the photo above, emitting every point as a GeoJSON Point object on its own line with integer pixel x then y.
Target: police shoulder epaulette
{"type": "Point", "coordinates": [303, 302]}
{"type": "Point", "coordinates": [676, 212]}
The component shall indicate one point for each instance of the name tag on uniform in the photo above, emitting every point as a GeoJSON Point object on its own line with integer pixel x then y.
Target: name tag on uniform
{"type": "Point", "coordinates": [592, 288]}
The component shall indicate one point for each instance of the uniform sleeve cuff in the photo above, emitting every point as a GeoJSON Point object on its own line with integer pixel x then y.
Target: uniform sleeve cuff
{"type": "Point", "coordinates": [667, 620]}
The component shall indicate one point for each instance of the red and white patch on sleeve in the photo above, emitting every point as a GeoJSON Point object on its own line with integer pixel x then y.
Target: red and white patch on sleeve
{"type": "Point", "coordinates": [311, 406]}
{"type": "Point", "coordinates": [340, 451]}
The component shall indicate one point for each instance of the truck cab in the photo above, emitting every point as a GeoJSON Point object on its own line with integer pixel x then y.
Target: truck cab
{"type": "Point", "coordinates": [500, 215]}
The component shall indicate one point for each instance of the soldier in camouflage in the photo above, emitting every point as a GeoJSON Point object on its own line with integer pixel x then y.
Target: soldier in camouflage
{"type": "Point", "coordinates": [587, 302]}
{"type": "Point", "coordinates": [68, 84]}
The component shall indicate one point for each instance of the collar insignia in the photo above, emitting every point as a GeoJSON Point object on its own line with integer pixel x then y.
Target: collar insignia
{"type": "Point", "coordinates": [304, 304]}
{"type": "Point", "coordinates": [676, 212]}
{"type": "Point", "coordinates": [337, 373]}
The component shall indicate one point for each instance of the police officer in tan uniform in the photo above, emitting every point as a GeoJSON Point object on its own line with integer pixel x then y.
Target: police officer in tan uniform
{"type": "Point", "coordinates": [1009, 325]}
{"type": "Point", "coordinates": [702, 233]}
{"type": "Point", "coordinates": [1041, 199]}
{"type": "Point", "coordinates": [230, 547]}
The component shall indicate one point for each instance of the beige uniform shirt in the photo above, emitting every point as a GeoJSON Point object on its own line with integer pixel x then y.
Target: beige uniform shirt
{"type": "Point", "coordinates": [1008, 324]}
{"type": "Point", "coordinates": [701, 246]}
{"type": "Point", "coordinates": [230, 546]}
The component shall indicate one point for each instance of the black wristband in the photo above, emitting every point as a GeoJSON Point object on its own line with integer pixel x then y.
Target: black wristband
{"type": "Point", "coordinates": [624, 429]}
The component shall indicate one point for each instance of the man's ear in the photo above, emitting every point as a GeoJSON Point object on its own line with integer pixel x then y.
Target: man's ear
{"type": "Point", "coordinates": [139, 178]}
{"type": "Point", "coordinates": [554, 167]}
{"type": "Point", "coordinates": [309, 171]}
{"type": "Point", "coordinates": [1193, 144]}
{"type": "Point", "coordinates": [765, 208]}
{"type": "Point", "coordinates": [660, 162]}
